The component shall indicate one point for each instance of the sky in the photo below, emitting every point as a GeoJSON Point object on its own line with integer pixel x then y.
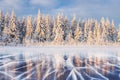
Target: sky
{"type": "Point", "coordinates": [83, 9]}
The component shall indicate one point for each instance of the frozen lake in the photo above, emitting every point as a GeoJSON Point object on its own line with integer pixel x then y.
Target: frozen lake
{"type": "Point", "coordinates": [60, 63]}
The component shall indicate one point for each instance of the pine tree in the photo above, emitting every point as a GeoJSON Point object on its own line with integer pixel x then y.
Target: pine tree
{"type": "Point", "coordinates": [89, 25]}
{"type": "Point", "coordinates": [7, 19]}
{"type": "Point", "coordinates": [22, 29]}
{"type": "Point", "coordinates": [59, 35]}
{"type": "Point", "coordinates": [1, 24]}
{"type": "Point", "coordinates": [48, 28]}
{"type": "Point", "coordinates": [103, 30]}
{"type": "Point", "coordinates": [118, 35]}
{"type": "Point", "coordinates": [66, 27]}
{"type": "Point", "coordinates": [34, 25]}
{"type": "Point", "coordinates": [78, 33]}
{"type": "Point", "coordinates": [85, 32]}
{"type": "Point", "coordinates": [107, 26]}
{"type": "Point", "coordinates": [73, 25]}
{"type": "Point", "coordinates": [6, 36]}
{"type": "Point", "coordinates": [14, 33]}
{"type": "Point", "coordinates": [29, 30]}
{"type": "Point", "coordinates": [54, 28]}
{"type": "Point", "coordinates": [112, 33]}
{"type": "Point", "coordinates": [6, 30]}
{"type": "Point", "coordinates": [38, 27]}
{"type": "Point", "coordinates": [12, 24]}
{"type": "Point", "coordinates": [42, 29]}
{"type": "Point", "coordinates": [90, 38]}
{"type": "Point", "coordinates": [69, 38]}
{"type": "Point", "coordinates": [58, 31]}
{"type": "Point", "coordinates": [107, 23]}
{"type": "Point", "coordinates": [97, 33]}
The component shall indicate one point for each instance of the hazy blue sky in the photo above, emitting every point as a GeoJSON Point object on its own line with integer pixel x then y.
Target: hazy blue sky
{"type": "Point", "coordinates": [82, 8]}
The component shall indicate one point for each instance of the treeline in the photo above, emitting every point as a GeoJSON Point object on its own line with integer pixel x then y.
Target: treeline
{"type": "Point", "coordinates": [44, 29]}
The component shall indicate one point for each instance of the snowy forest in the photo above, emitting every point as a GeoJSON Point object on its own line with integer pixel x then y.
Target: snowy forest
{"type": "Point", "coordinates": [58, 30]}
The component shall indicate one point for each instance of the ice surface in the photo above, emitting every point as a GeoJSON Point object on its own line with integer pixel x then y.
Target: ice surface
{"type": "Point", "coordinates": [60, 63]}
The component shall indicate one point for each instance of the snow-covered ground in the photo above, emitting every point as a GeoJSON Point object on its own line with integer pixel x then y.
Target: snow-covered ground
{"type": "Point", "coordinates": [62, 49]}
{"type": "Point", "coordinates": [60, 63]}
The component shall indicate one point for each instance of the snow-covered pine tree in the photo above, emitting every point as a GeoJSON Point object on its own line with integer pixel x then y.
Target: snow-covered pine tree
{"type": "Point", "coordinates": [38, 27]}
{"type": "Point", "coordinates": [48, 28]}
{"type": "Point", "coordinates": [118, 35]}
{"type": "Point", "coordinates": [5, 33]}
{"type": "Point", "coordinates": [73, 25]}
{"type": "Point", "coordinates": [29, 31]}
{"type": "Point", "coordinates": [88, 29]}
{"type": "Point", "coordinates": [90, 25]}
{"type": "Point", "coordinates": [42, 29]}
{"type": "Point", "coordinates": [7, 19]}
{"type": "Point", "coordinates": [90, 39]}
{"type": "Point", "coordinates": [34, 24]}
{"type": "Point", "coordinates": [112, 33]}
{"type": "Point", "coordinates": [59, 36]}
{"type": "Point", "coordinates": [6, 36]}
{"type": "Point", "coordinates": [14, 33]}
{"type": "Point", "coordinates": [97, 33]}
{"type": "Point", "coordinates": [69, 38]}
{"type": "Point", "coordinates": [1, 25]}
{"type": "Point", "coordinates": [68, 32]}
{"type": "Point", "coordinates": [107, 26]}
{"type": "Point", "coordinates": [58, 31]}
{"type": "Point", "coordinates": [66, 27]}
{"type": "Point", "coordinates": [54, 28]}
{"type": "Point", "coordinates": [22, 29]}
{"type": "Point", "coordinates": [78, 33]}
{"type": "Point", "coordinates": [82, 23]}
{"type": "Point", "coordinates": [85, 33]}
{"type": "Point", "coordinates": [103, 31]}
